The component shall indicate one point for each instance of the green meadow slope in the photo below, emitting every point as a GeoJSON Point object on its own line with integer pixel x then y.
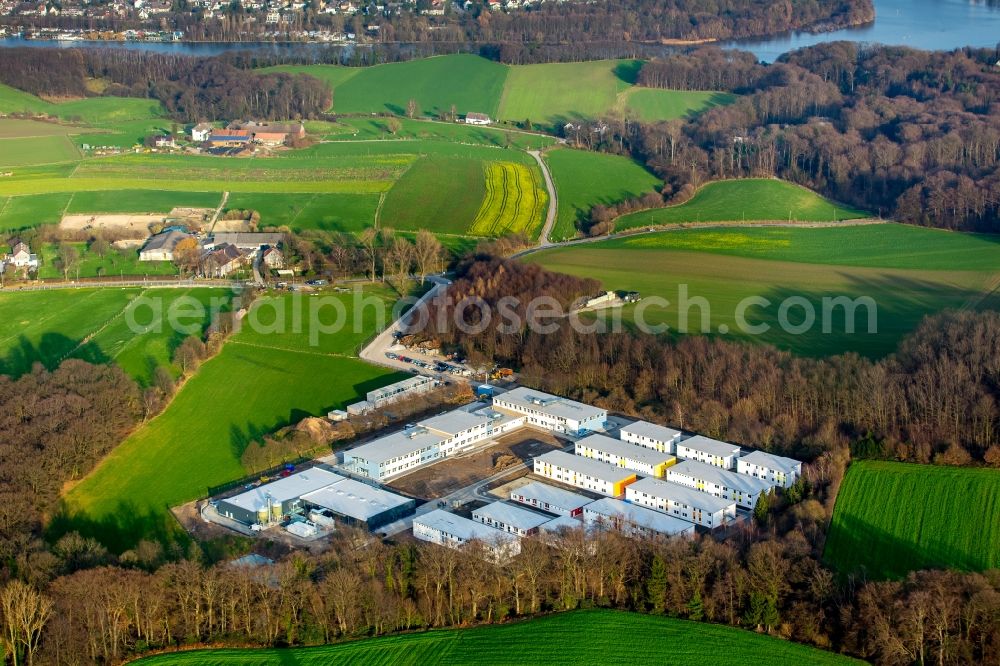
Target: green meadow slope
{"type": "Point", "coordinates": [569, 638]}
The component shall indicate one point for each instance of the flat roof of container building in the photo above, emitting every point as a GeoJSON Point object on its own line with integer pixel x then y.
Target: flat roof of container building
{"type": "Point", "coordinates": [550, 405]}
{"type": "Point", "coordinates": [587, 466]}
{"type": "Point", "coordinates": [771, 461]}
{"type": "Point", "coordinates": [711, 446]}
{"type": "Point", "coordinates": [355, 499]}
{"type": "Point", "coordinates": [625, 449]}
{"type": "Point", "coordinates": [284, 489]}
{"type": "Point", "coordinates": [401, 386]}
{"type": "Point", "coordinates": [455, 421]}
{"type": "Point", "coordinates": [652, 430]}
{"type": "Point", "coordinates": [640, 516]}
{"type": "Point", "coordinates": [463, 528]}
{"type": "Point", "coordinates": [513, 515]}
{"type": "Point", "coordinates": [560, 497]}
{"type": "Point", "coordinates": [401, 443]}
{"type": "Point", "coordinates": [719, 476]}
{"type": "Point", "coordinates": [679, 493]}
{"type": "Point", "coordinates": [560, 523]}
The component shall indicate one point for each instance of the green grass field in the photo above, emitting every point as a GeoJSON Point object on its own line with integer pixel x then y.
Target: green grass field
{"type": "Point", "coordinates": [112, 264]}
{"type": "Point", "coordinates": [749, 200]}
{"type": "Point", "coordinates": [259, 382]}
{"type": "Point", "coordinates": [892, 518]}
{"type": "Point", "coordinates": [37, 150]}
{"type": "Point", "coordinates": [650, 104]}
{"type": "Point", "coordinates": [330, 212]}
{"type": "Point", "coordinates": [548, 94]}
{"type": "Point", "coordinates": [91, 324]}
{"type": "Point", "coordinates": [584, 179]}
{"type": "Point", "coordinates": [565, 638]}
{"type": "Point", "coordinates": [938, 271]}
{"type": "Point", "coordinates": [440, 194]}
{"type": "Point", "coordinates": [469, 82]}
{"type": "Point", "coordinates": [24, 212]}
{"type": "Point", "coordinates": [364, 129]}
{"type": "Point", "coordinates": [13, 100]}
{"type": "Point", "coordinates": [139, 201]}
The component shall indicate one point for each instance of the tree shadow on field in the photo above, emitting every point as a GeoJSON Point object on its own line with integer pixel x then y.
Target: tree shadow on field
{"type": "Point", "coordinates": [121, 529]}
{"type": "Point", "coordinates": [628, 71]}
{"type": "Point", "coordinates": [50, 351]}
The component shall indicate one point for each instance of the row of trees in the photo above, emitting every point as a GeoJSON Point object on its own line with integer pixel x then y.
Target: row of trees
{"type": "Point", "coordinates": [914, 135]}
{"type": "Point", "coordinates": [937, 398]}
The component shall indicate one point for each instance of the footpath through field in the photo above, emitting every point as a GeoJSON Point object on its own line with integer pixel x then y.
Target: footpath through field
{"type": "Point", "coordinates": [550, 216]}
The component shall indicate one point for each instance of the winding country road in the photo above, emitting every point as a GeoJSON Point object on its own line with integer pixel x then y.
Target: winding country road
{"type": "Point", "coordinates": [550, 216]}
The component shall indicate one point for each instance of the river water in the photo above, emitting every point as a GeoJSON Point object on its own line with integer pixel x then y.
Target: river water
{"type": "Point", "coordinates": [923, 24]}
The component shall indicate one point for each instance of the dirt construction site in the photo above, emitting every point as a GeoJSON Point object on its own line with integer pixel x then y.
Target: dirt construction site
{"type": "Point", "coordinates": [444, 477]}
{"type": "Point", "coordinates": [136, 224]}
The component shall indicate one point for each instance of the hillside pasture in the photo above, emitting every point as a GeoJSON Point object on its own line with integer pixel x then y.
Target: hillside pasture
{"type": "Point", "coordinates": [329, 212]}
{"type": "Point", "coordinates": [652, 104]}
{"type": "Point", "coordinates": [360, 129]}
{"type": "Point", "coordinates": [660, 265]}
{"type": "Point", "coordinates": [515, 201]}
{"type": "Point", "coordinates": [584, 179]}
{"type": "Point", "coordinates": [13, 100]}
{"type": "Point", "coordinates": [746, 200]}
{"type": "Point", "coordinates": [259, 382]}
{"type": "Point", "coordinates": [892, 518]}
{"type": "Point", "coordinates": [37, 150]}
{"type": "Point", "coordinates": [568, 638]}
{"type": "Point", "coordinates": [440, 194]}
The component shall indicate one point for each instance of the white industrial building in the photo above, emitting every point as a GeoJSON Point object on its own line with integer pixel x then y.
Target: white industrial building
{"type": "Point", "coordinates": [739, 488]}
{"type": "Point", "coordinates": [447, 529]}
{"type": "Point", "coordinates": [462, 429]}
{"type": "Point", "coordinates": [549, 498]}
{"type": "Point", "coordinates": [394, 454]}
{"type": "Point", "coordinates": [681, 502]}
{"type": "Point", "coordinates": [651, 436]}
{"type": "Point", "coordinates": [552, 412]}
{"type": "Point", "coordinates": [510, 518]}
{"type": "Point", "coordinates": [778, 470]}
{"type": "Point", "coordinates": [625, 454]}
{"type": "Point", "coordinates": [356, 503]}
{"type": "Point", "coordinates": [709, 451]}
{"type": "Point", "coordinates": [584, 473]}
{"type": "Point", "coordinates": [633, 519]}
{"type": "Point", "coordinates": [560, 523]}
{"type": "Point", "coordinates": [381, 397]}
{"type": "Point", "coordinates": [269, 502]}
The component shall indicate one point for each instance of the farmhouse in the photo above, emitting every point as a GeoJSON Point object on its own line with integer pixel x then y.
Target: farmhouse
{"type": "Point", "coordinates": [447, 529]}
{"type": "Point", "coordinates": [269, 138]}
{"type": "Point", "coordinates": [549, 498]}
{"type": "Point", "coordinates": [164, 141]}
{"type": "Point", "coordinates": [709, 451]}
{"type": "Point", "coordinates": [20, 256]}
{"type": "Point", "coordinates": [273, 258]}
{"type": "Point", "coordinates": [358, 504]}
{"type": "Point", "coordinates": [246, 240]}
{"type": "Point", "coordinates": [778, 470]}
{"type": "Point", "coordinates": [739, 488]}
{"type": "Point", "coordinates": [161, 246]}
{"type": "Point", "coordinates": [682, 502]}
{"type": "Point", "coordinates": [270, 133]}
{"type": "Point", "coordinates": [608, 512]}
{"type": "Point", "coordinates": [552, 412]}
{"type": "Point", "coordinates": [624, 454]}
{"type": "Point", "coordinates": [477, 119]}
{"type": "Point", "coordinates": [222, 261]}
{"type": "Point", "coordinates": [510, 518]}
{"type": "Point", "coordinates": [583, 473]}
{"type": "Point", "coordinates": [651, 436]}
{"type": "Point", "coordinates": [268, 502]}
{"type": "Point", "coordinates": [201, 132]}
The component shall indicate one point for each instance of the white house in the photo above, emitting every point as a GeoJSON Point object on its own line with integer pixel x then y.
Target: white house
{"type": "Point", "coordinates": [510, 518]}
{"type": "Point", "coordinates": [739, 488]}
{"type": "Point", "coordinates": [447, 529]}
{"type": "Point", "coordinates": [611, 513]}
{"type": "Point", "coordinates": [549, 498]}
{"type": "Point", "coordinates": [201, 132]}
{"type": "Point", "coordinates": [20, 256]}
{"type": "Point", "coordinates": [652, 436]}
{"type": "Point", "coordinates": [709, 451]}
{"type": "Point", "coordinates": [681, 502]}
{"type": "Point", "coordinates": [477, 119]}
{"type": "Point", "coordinates": [552, 412]}
{"type": "Point", "coordinates": [584, 473]}
{"type": "Point", "coordinates": [778, 470]}
{"type": "Point", "coordinates": [625, 454]}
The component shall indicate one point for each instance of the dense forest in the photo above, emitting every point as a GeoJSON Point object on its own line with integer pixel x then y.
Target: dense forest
{"type": "Point", "coordinates": [191, 89]}
{"type": "Point", "coordinates": [912, 135]}
{"type": "Point", "coordinates": [936, 399]}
